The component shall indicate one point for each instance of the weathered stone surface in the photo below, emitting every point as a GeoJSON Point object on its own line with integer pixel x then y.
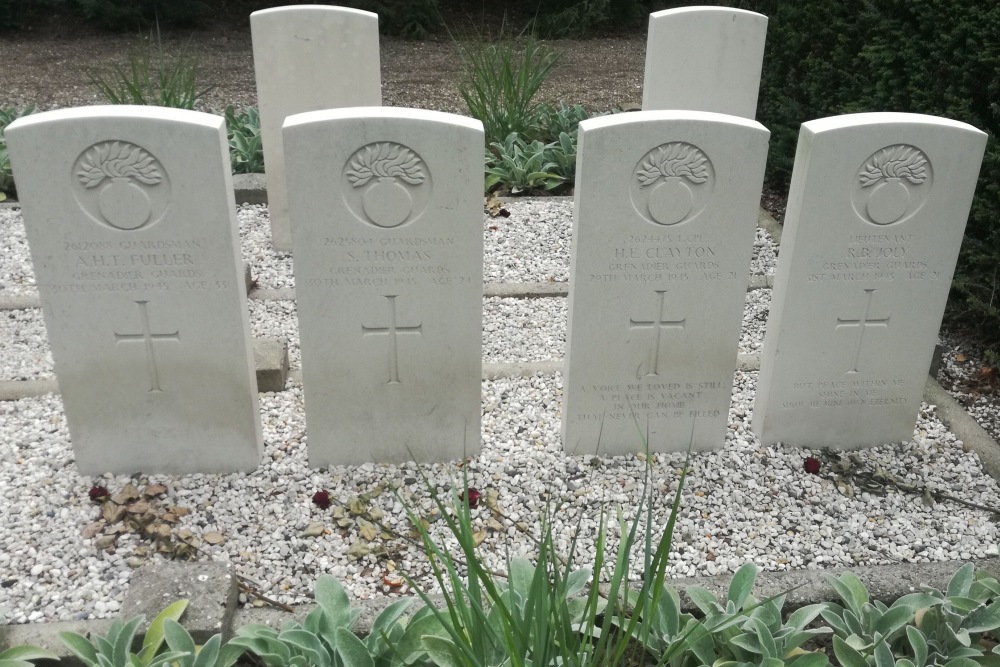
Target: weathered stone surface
{"type": "Point", "coordinates": [389, 280]}
{"type": "Point", "coordinates": [307, 58]}
{"type": "Point", "coordinates": [130, 219]}
{"type": "Point", "coordinates": [665, 215]}
{"type": "Point", "coordinates": [876, 212]}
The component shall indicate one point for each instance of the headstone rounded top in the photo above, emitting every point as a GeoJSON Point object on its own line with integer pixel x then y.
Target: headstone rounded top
{"type": "Point", "coordinates": [657, 116]}
{"type": "Point", "coordinates": [852, 121]}
{"type": "Point", "coordinates": [130, 111]}
{"type": "Point", "coordinates": [373, 113]}
{"type": "Point", "coordinates": [326, 9]}
{"type": "Point", "coordinates": [705, 10]}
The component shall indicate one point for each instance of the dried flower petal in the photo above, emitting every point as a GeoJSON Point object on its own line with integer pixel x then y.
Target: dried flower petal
{"type": "Point", "coordinates": [473, 496]}
{"type": "Point", "coordinates": [321, 499]}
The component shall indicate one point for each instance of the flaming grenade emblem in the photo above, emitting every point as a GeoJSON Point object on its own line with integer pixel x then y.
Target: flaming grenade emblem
{"type": "Point", "coordinates": [672, 179]}
{"type": "Point", "coordinates": [894, 183]}
{"type": "Point", "coordinates": [121, 173]}
{"type": "Point", "coordinates": [386, 173]}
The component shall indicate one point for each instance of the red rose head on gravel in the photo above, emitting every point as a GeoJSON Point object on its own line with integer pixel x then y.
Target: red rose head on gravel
{"type": "Point", "coordinates": [321, 499]}
{"type": "Point", "coordinates": [98, 493]}
{"type": "Point", "coordinates": [473, 495]}
{"type": "Point", "coordinates": [811, 465]}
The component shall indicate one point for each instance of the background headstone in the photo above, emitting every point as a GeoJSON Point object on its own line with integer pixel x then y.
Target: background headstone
{"type": "Point", "coordinates": [389, 279]}
{"type": "Point", "coordinates": [876, 212]}
{"type": "Point", "coordinates": [130, 218]}
{"type": "Point", "coordinates": [664, 220]}
{"type": "Point", "coordinates": [307, 58]}
{"type": "Point", "coordinates": [704, 59]}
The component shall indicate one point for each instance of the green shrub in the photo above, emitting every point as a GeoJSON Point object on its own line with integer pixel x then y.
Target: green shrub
{"type": "Point", "coordinates": [14, 13]}
{"type": "Point", "coordinates": [8, 116]}
{"type": "Point", "coordinates": [937, 57]}
{"type": "Point", "coordinates": [138, 14]}
{"type": "Point", "coordinates": [404, 18]}
{"type": "Point", "coordinates": [551, 612]}
{"type": "Point", "coordinates": [522, 167]}
{"type": "Point", "coordinates": [499, 83]}
{"type": "Point", "coordinates": [150, 77]}
{"type": "Point", "coordinates": [325, 638]}
{"type": "Point", "coordinates": [553, 121]}
{"type": "Point", "coordinates": [246, 150]}
{"type": "Point", "coordinates": [560, 19]}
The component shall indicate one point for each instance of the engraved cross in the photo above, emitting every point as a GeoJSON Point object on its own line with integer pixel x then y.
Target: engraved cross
{"type": "Point", "coordinates": [392, 330]}
{"type": "Point", "coordinates": [147, 337]}
{"type": "Point", "coordinates": [863, 325]}
{"type": "Point", "coordinates": [658, 325]}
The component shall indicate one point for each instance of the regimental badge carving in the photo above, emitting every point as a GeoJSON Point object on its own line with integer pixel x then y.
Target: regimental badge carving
{"type": "Point", "coordinates": [121, 184]}
{"type": "Point", "coordinates": [892, 184]}
{"type": "Point", "coordinates": [389, 184]}
{"type": "Point", "coordinates": [671, 183]}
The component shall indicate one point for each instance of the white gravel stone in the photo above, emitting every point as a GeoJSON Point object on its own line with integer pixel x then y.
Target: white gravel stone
{"type": "Point", "coordinates": [24, 345]}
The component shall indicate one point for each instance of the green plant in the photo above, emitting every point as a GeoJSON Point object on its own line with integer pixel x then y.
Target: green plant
{"type": "Point", "coordinates": [414, 19]}
{"type": "Point", "coordinates": [550, 613]}
{"type": "Point", "coordinates": [8, 116]}
{"type": "Point", "coordinates": [14, 14]}
{"type": "Point", "coordinates": [521, 167]}
{"type": "Point", "coordinates": [325, 638]}
{"type": "Point", "coordinates": [115, 649]}
{"type": "Point", "coordinates": [747, 631]}
{"type": "Point", "coordinates": [246, 150]}
{"type": "Point", "coordinates": [21, 656]}
{"type": "Point", "coordinates": [563, 19]}
{"type": "Point", "coordinates": [937, 57]}
{"type": "Point", "coordinates": [212, 654]}
{"type": "Point", "coordinates": [150, 79]}
{"type": "Point", "coordinates": [132, 14]}
{"type": "Point", "coordinates": [500, 80]}
{"type": "Point", "coordinates": [561, 155]}
{"type": "Point", "coordinates": [862, 623]}
{"type": "Point", "coordinates": [924, 628]}
{"type": "Point", "coordinates": [553, 121]}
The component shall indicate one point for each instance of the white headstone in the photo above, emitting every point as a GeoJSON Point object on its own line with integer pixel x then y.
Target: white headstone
{"type": "Point", "coordinates": [389, 279]}
{"type": "Point", "coordinates": [664, 221]}
{"type": "Point", "coordinates": [704, 59]}
{"type": "Point", "coordinates": [308, 58]}
{"type": "Point", "coordinates": [876, 212]}
{"type": "Point", "coordinates": [130, 218]}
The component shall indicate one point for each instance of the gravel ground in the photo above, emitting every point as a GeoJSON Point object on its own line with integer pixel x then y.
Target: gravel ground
{"type": "Point", "coordinates": [59, 560]}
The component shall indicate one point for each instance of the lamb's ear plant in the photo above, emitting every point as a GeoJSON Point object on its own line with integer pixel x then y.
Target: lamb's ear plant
{"type": "Point", "coordinates": [246, 148]}
{"type": "Point", "coordinates": [115, 649]}
{"type": "Point", "coordinates": [21, 656]}
{"type": "Point", "coordinates": [860, 622]}
{"type": "Point", "coordinates": [212, 653]}
{"type": "Point", "coordinates": [8, 116]}
{"type": "Point", "coordinates": [747, 631]}
{"type": "Point", "coordinates": [955, 622]}
{"type": "Point", "coordinates": [325, 638]}
{"type": "Point", "coordinates": [923, 628]}
{"type": "Point", "coordinates": [521, 167]}
{"type": "Point", "coordinates": [555, 120]}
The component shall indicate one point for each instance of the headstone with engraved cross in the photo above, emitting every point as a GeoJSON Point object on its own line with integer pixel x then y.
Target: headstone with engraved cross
{"type": "Point", "coordinates": [388, 249]}
{"type": "Point", "coordinates": [876, 212]}
{"type": "Point", "coordinates": [307, 58]}
{"type": "Point", "coordinates": [666, 208]}
{"type": "Point", "coordinates": [130, 218]}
